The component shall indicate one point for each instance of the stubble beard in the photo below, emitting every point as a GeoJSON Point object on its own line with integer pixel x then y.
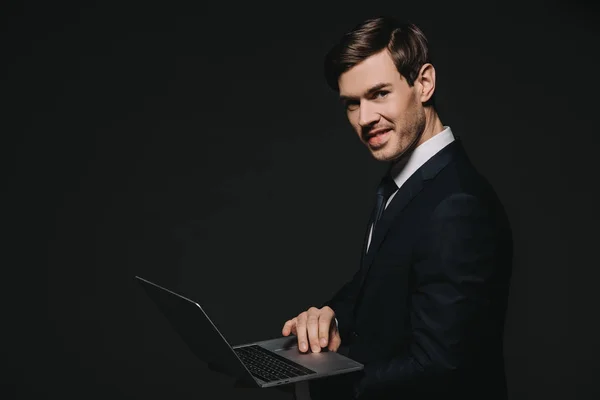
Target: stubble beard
{"type": "Point", "coordinates": [406, 140]}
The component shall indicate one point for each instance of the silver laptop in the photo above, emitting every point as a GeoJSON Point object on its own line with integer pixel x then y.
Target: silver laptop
{"type": "Point", "coordinates": [263, 364]}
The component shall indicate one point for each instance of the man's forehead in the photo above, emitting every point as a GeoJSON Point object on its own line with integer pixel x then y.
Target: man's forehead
{"type": "Point", "coordinates": [367, 74]}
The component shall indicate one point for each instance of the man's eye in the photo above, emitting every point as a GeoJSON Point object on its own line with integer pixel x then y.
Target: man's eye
{"type": "Point", "coordinates": [351, 105]}
{"type": "Point", "coordinates": [381, 94]}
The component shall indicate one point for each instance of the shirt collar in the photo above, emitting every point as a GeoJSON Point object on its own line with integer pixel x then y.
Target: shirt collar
{"type": "Point", "coordinates": [405, 167]}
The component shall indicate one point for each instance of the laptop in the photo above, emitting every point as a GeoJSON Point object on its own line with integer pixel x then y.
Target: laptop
{"type": "Point", "coordinates": [262, 364]}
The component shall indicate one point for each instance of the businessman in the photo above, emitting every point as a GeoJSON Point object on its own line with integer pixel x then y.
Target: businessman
{"type": "Point", "coordinates": [425, 309]}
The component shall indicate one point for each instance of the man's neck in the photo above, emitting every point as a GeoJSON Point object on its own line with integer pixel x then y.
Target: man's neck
{"type": "Point", "coordinates": [433, 125]}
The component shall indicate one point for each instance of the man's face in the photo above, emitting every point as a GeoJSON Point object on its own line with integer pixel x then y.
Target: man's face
{"type": "Point", "coordinates": [382, 108]}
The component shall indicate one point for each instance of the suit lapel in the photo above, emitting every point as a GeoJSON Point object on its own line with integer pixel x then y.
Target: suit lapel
{"type": "Point", "coordinates": [405, 194]}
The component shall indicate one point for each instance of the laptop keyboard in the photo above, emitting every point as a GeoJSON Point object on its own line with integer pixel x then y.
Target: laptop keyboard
{"type": "Point", "coordinates": [269, 366]}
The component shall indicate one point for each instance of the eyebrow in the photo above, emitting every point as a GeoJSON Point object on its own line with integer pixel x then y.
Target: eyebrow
{"type": "Point", "coordinates": [371, 90]}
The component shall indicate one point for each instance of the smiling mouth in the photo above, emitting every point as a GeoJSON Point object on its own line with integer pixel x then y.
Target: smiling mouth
{"type": "Point", "coordinates": [378, 138]}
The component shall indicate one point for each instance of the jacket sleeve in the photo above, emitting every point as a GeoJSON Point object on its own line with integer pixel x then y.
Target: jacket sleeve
{"type": "Point", "coordinates": [454, 267]}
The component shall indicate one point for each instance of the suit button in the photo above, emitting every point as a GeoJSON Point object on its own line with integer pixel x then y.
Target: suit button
{"type": "Point", "coordinates": [353, 335]}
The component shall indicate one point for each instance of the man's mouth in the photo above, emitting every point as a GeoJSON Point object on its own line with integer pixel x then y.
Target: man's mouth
{"type": "Point", "coordinates": [378, 137]}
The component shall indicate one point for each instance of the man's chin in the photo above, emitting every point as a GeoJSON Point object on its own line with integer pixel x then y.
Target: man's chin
{"type": "Point", "coordinates": [389, 153]}
{"type": "Point", "coordinates": [381, 155]}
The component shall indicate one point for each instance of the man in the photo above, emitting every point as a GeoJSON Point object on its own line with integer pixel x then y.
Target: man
{"type": "Point", "coordinates": [425, 311]}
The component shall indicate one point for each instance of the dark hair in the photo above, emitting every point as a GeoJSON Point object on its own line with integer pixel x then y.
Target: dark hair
{"type": "Point", "coordinates": [405, 42]}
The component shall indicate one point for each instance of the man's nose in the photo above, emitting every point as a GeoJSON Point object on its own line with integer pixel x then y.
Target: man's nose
{"type": "Point", "coordinates": [367, 115]}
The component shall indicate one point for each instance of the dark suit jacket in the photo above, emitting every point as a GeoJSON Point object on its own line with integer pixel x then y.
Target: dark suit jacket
{"type": "Point", "coordinates": [425, 311]}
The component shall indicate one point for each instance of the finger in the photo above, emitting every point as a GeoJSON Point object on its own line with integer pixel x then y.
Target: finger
{"type": "Point", "coordinates": [312, 326]}
{"type": "Point", "coordinates": [335, 341]}
{"type": "Point", "coordinates": [324, 329]}
{"type": "Point", "coordinates": [289, 327]}
{"type": "Point", "coordinates": [301, 332]}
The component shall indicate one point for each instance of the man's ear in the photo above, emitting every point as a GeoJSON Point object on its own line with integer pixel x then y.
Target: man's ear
{"type": "Point", "coordinates": [426, 82]}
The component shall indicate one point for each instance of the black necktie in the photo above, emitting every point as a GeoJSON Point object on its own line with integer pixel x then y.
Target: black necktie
{"type": "Point", "coordinates": [386, 188]}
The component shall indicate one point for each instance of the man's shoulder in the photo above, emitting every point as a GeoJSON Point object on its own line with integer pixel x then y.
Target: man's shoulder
{"type": "Point", "coordinates": [459, 179]}
{"type": "Point", "coordinates": [459, 176]}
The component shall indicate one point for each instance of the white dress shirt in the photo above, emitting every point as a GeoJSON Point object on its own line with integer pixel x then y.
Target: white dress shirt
{"type": "Point", "coordinates": [401, 171]}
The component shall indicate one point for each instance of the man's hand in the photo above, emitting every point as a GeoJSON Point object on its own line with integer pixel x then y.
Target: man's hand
{"type": "Point", "coordinates": [316, 327]}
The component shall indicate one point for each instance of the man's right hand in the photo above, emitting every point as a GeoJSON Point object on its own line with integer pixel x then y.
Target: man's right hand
{"type": "Point", "coordinates": [315, 327]}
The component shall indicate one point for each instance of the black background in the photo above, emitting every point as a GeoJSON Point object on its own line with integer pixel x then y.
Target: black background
{"type": "Point", "coordinates": [199, 146]}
